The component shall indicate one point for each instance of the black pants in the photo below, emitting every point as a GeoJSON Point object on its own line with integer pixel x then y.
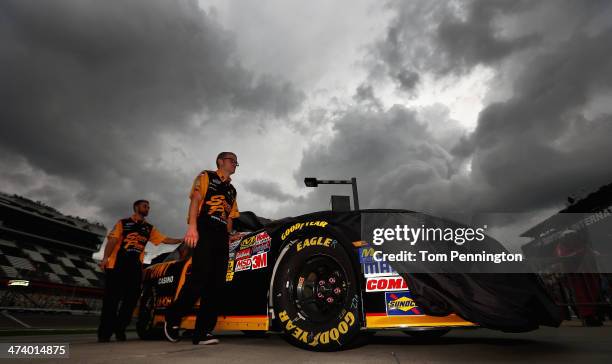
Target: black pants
{"type": "Point", "coordinates": [207, 278]}
{"type": "Point", "coordinates": [121, 293]}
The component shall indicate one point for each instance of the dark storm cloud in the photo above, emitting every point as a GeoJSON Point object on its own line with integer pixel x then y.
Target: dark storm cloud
{"type": "Point", "coordinates": [90, 88]}
{"type": "Point", "coordinates": [407, 80]}
{"type": "Point", "coordinates": [444, 37]}
{"type": "Point", "coordinates": [364, 94]}
{"type": "Point", "coordinates": [538, 146]}
{"type": "Point", "coordinates": [475, 40]}
{"type": "Point", "coordinates": [528, 153]}
{"type": "Point", "coordinates": [267, 189]}
{"type": "Point", "coordinates": [389, 152]}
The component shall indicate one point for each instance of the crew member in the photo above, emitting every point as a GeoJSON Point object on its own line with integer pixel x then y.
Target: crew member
{"type": "Point", "coordinates": [122, 263]}
{"type": "Point", "coordinates": [212, 208]}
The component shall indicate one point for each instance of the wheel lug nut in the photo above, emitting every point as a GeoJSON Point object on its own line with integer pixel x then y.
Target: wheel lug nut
{"type": "Point", "coordinates": [320, 295]}
{"type": "Point", "coordinates": [321, 282]}
{"type": "Point", "coordinates": [330, 300]}
{"type": "Point", "coordinates": [337, 290]}
{"type": "Point", "coordinates": [332, 280]}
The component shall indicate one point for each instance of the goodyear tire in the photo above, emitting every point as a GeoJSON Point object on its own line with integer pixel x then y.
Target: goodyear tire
{"type": "Point", "coordinates": [144, 324]}
{"type": "Point", "coordinates": [316, 294]}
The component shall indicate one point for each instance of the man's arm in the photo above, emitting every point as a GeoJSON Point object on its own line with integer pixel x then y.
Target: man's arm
{"type": "Point", "coordinates": [191, 236]}
{"type": "Point", "coordinates": [197, 194]}
{"type": "Point", "coordinates": [158, 238]}
{"type": "Point", "coordinates": [171, 241]}
{"type": "Point", "coordinates": [230, 224]}
{"type": "Point", "coordinates": [111, 242]}
{"type": "Point", "coordinates": [110, 246]}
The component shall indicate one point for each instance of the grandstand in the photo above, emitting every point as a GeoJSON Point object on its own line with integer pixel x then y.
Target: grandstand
{"type": "Point", "coordinates": [53, 252]}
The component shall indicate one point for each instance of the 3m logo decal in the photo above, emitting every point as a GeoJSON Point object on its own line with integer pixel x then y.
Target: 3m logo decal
{"type": "Point", "coordinates": [259, 261]}
{"type": "Point", "coordinates": [401, 304]}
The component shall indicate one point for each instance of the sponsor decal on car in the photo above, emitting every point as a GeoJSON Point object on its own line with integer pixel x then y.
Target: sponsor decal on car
{"type": "Point", "coordinates": [366, 255]}
{"type": "Point", "coordinates": [229, 276]}
{"type": "Point", "coordinates": [401, 304]}
{"type": "Point", "coordinates": [242, 264]}
{"type": "Point", "coordinates": [300, 225]}
{"type": "Point", "coordinates": [260, 238]}
{"type": "Point", "coordinates": [165, 280]}
{"type": "Point", "coordinates": [320, 241]}
{"type": "Point", "coordinates": [259, 261]}
{"type": "Point", "coordinates": [378, 269]}
{"type": "Point", "coordinates": [163, 301]}
{"type": "Point", "coordinates": [255, 262]}
{"type": "Point", "coordinates": [315, 338]}
{"type": "Point", "coordinates": [244, 253]}
{"type": "Point", "coordinates": [261, 247]}
{"type": "Point", "coordinates": [380, 284]}
{"type": "Point", "coordinates": [234, 244]}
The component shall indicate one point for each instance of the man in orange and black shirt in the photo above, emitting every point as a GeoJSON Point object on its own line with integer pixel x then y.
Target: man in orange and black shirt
{"type": "Point", "coordinates": [122, 263]}
{"type": "Point", "coordinates": [211, 211]}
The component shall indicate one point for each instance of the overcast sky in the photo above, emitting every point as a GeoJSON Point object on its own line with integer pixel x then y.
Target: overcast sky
{"type": "Point", "coordinates": [435, 106]}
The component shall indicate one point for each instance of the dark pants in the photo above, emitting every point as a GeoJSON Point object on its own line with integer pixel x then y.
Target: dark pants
{"type": "Point", "coordinates": [206, 280]}
{"type": "Point", "coordinates": [121, 293]}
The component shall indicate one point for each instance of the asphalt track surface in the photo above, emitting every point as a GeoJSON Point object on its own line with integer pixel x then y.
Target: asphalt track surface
{"type": "Point", "coordinates": [570, 343]}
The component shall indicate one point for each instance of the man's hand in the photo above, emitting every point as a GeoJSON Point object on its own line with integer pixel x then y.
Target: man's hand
{"type": "Point", "coordinates": [191, 236]}
{"type": "Point", "coordinates": [103, 263]}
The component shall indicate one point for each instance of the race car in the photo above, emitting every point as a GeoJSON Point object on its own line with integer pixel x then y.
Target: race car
{"type": "Point", "coordinates": [309, 277]}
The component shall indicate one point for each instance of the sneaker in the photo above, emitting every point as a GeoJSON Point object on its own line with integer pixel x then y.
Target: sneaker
{"type": "Point", "coordinates": [207, 339]}
{"type": "Point", "coordinates": [172, 332]}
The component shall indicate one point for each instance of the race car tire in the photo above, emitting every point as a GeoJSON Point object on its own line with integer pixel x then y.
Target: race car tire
{"type": "Point", "coordinates": [316, 294]}
{"type": "Point", "coordinates": [427, 334]}
{"type": "Point", "coordinates": [144, 323]}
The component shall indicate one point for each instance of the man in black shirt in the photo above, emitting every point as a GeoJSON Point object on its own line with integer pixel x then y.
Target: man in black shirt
{"type": "Point", "coordinates": [212, 208]}
{"type": "Point", "coordinates": [122, 263]}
